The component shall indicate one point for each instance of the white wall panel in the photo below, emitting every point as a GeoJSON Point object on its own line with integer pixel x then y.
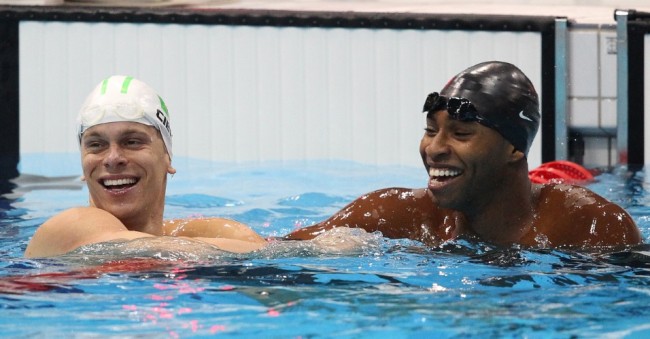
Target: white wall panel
{"type": "Point", "coordinates": [592, 89]}
{"type": "Point", "coordinates": [339, 93]}
{"type": "Point", "coordinates": [412, 68]}
{"type": "Point", "coordinates": [293, 102]}
{"type": "Point", "coordinates": [240, 93]}
{"type": "Point", "coordinates": [363, 97]}
{"type": "Point", "coordinates": [315, 109]}
{"type": "Point", "coordinates": [267, 94]}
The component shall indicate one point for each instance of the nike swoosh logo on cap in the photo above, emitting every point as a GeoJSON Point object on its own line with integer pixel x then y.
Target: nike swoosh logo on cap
{"type": "Point", "coordinates": [521, 115]}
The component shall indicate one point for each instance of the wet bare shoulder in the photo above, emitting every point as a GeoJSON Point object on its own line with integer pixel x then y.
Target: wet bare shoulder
{"type": "Point", "coordinates": [575, 215]}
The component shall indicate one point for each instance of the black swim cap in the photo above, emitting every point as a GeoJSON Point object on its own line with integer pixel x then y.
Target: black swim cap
{"type": "Point", "coordinates": [497, 95]}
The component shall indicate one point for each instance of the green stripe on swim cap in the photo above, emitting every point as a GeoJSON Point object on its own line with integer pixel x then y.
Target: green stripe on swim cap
{"type": "Point", "coordinates": [125, 84]}
{"type": "Point", "coordinates": [163, 106]}
{"type": "Point", "coordinates": [104, 86]}
{"type": "Point", "coordinates": [123, 90]}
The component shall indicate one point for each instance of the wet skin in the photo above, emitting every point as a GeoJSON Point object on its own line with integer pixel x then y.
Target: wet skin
{"type": "Point", "coordinates": [478, 188]}
{"type": "Point", "coordinates": [125, 166]}
{"type": "Point", "coordinates": [131, 153]}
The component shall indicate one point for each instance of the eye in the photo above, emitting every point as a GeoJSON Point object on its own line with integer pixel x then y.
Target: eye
{"type": "Point", "coordinates": [133, 142]}
{"type": "Point", "coordinates": [430, 131]}
{"type": "Point", "coordinates": [463, 130]}
{"type": "Point", "coordinates": [93, 144]}
{"type": "Point", "coordinates": [463, 133]}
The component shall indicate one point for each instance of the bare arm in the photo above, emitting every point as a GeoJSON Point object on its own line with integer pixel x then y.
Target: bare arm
{"type": "Point", "coordinates": [76, 227]}
{"type": "Point", "coordinates": [211, 228]}
{"type": "Point", "coordinates": [226, 234]}
{"type": "Point", "coordinates": [81, 226]}
{"type": "Point", "coordinates": [396, 212]}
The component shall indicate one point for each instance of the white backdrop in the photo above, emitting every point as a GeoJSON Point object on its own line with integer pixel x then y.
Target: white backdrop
{"type": "Point", "coordinates": [247, 94]}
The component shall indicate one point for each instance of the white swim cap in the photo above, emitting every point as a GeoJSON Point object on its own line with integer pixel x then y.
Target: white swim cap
{"type": "Point", "coordinates": [123, 98]}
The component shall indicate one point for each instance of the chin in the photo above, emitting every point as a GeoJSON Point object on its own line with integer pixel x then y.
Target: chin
{"type": "Point", "coordinates": [446, 202]}
{"type": "Point", "coordinates": [122, 211]}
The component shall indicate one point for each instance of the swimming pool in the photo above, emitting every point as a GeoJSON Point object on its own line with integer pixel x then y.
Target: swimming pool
{"type": "Point", "coordinates": [387, 288]}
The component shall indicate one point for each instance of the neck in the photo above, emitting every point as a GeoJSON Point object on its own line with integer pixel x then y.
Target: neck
{"type": "Point", "coordinates": [151, 224]}
{"type": "Point", "coordinates": [148, 220]}
{"type": "Point", "coordinates": [507, 216]}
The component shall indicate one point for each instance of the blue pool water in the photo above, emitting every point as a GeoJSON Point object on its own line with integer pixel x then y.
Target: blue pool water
{"type": "Point", "coordinates": [386, 288]}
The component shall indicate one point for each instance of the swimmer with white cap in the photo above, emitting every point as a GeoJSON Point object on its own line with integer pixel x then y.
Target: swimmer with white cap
{"type": "Point", "coordinates": [479, 129]}
{"type": "Point", "coordinates": [125, 139]}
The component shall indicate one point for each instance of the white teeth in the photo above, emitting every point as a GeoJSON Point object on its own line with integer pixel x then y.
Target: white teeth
{"type": "Point", "coordinates": [118, 182]}
{"type": "Point", "coordinates": [437, 172]}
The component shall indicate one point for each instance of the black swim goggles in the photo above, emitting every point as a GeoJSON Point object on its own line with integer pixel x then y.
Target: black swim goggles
{"type": "Point", "coordinates": [458, 108]}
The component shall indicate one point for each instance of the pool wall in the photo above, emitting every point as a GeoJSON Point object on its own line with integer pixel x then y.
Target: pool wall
{"type": "Point", "coordinates": [248, 86]}
{"type": "Point", "coordinates": [257, 85]}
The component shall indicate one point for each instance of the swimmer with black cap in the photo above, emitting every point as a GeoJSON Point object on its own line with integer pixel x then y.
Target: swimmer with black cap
{"type": "Point", "coordinates": [479, 129]}
{"type": "Point", "coordinates": [125, 139]}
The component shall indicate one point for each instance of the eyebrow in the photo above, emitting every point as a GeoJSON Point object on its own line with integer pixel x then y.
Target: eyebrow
{"type": "Point", "coordinates": [128, 131]}
{"type": "Point", "coordinates": [431, 120]}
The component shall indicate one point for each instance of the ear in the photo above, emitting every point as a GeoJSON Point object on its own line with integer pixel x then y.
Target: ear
{"type": "Point", "coordinates": [516, 155]}
{"type": "Point", "coordinates": [170, 169]}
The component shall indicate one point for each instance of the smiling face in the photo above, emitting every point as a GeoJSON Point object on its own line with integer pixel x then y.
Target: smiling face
{"type": "Point", "coordinates": [125, 166]}
{"type": "Point", "coordinates": [466, 162]}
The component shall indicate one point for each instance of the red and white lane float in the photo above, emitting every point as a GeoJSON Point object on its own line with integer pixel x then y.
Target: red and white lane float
{"type": "Point", "coordinates": [560, 171]}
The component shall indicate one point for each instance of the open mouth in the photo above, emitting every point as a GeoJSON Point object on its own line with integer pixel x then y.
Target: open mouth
{"type": "Point", "coordinates": [443, 174]}
{"type": "Point", "coordinates": [116, 184]}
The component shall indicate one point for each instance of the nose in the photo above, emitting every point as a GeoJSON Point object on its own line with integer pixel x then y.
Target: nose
{"type": "Point", "coordinates": [435, 147]}
{"type": "Point", "coordinates": [115, 157]}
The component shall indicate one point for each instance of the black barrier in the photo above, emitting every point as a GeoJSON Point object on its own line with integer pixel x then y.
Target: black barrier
{"type": "Point", "coordinates": [635, 25]}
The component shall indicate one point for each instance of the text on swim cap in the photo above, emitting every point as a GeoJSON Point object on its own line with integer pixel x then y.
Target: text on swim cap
{"type": "Point", "coordinates": [163, 119]}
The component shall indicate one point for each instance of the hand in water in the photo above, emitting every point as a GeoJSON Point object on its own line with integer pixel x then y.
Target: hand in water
{"type": "Point", "coordinates": [345, 240]}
